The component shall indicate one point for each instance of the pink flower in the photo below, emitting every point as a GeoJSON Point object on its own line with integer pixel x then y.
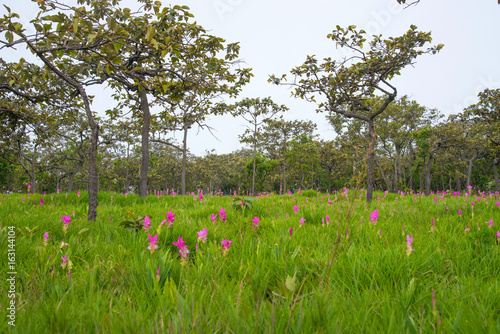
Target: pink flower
{"type": "Point", "coordinates": [45, 238]}
{"type": "Point", "coordinates": [64, 261]}
{"type": "Point", "coordinates": [147, 223]}
{"type": "Point", "coordinates": [170, 218]}
{"type": "Point", "coordinates": [291, 231]}
{"type": "Point", "coordinates": [29, 187]}
{"type": "Point", "coordinates": [498, 236]}
{"type": "Point", "coordinates": [66, 219]}
{"type": "Point", "coordinates": [409, 240]}
{"type": "Point", "coordinates": [301, 221]}
{"type": "Point", "coordinates": [201, 197]}
{"type": "Point", "coordinates": [183, 250]}
{"type": "Point", "coordinates": [213, 216]}
{"type": "Point", "coordinates": [222, 214]}
{"type": "Point", "coordinates": [490, 223]}
{"type": "Point", "coordinates": [374, 216]}
{"type": "Point", "coordinates": [255, 222]}
{"type": "Point", "coordinates": [295, 208]}
{"type": "Point", "coordinates": [78, 193]}
{"type": "Point", "coordinates": [459, 212]}
{"type": "Point", "coordinates": [152, 243]}
{"type": "Point", "coordinates": [41, 201]}
{"type": "Point", "coordinates": [225, 246]}
{"type": "Point", "coordinates": [202, 235]}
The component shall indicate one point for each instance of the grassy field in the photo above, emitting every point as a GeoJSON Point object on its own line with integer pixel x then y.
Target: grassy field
{"type": "Point", "coordinates": [345, 274]}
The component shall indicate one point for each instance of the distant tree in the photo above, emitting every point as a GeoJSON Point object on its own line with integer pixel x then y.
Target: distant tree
{"type": "Point", "coordinates": [277, 136]}
{"type": "Point", "coordinates": [346, 86]}
{"type": "Point", "coordinates": [255, 112]}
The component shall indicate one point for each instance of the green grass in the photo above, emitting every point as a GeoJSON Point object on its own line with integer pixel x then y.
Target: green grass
{"type": "Point", "coordinates": [318, 280]}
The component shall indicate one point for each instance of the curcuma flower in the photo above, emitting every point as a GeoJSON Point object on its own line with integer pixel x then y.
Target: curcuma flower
{"type": "Point", "coordinates": [152, 243]}
{"type": "Point", "coordinates": [225, 246]}
{"type": "Point", "coordinates": [295, 208]}
{"type": "Point", "coordinates": [183, 250]}
{"type": "Point", "coordinates": [490, 223]}
{"type": "Point", "coordinates": [170, 218]}
{"type": "Point", "coordinates": [64, 261]}
{"type": "Point", "coordinates": [301, 221]}
{"type": "Point", "coordinates": [223, 214]}
{"type": "Point", "coordinates": [213, 216]}
{"type": "Point", "coordinates": [147, 223]}
{"type": "Point", "coordinates": [202, 235]}
{"type": "Point", "coordinates": [409, 240]}
{"type": "Point", "coordinates": [255, 222]}
{"type": "Point", "coordinates": [45, 238]}
{"type": "Point", "coordinates": [374, 217]}
{"type": "Point", "coordinates": [66, 220]}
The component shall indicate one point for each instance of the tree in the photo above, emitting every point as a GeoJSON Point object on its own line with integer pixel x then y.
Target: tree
{"type": "Point", "coordinates": [487, 110]}
{"type": "Point", "coordinates": [251, 110]}
{"type": "Point", "coordinates": [207, 78]}
{"type": "Point", "coordinates": [61, 49]}
{"type": "Point", "coordinates": [277, 136]}
{"type": "Point", "coordinates": [346, 86]}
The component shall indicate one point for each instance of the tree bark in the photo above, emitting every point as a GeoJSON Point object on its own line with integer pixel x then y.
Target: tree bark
{"type": "Point", "coordinates": [94, 138]}
{"type": "Point", "coordinates": [496, 162]}
{"type": "Point", "coordinates": [387, 183]}
{"type": "Point", "coordinates": [397, 171]}
{"type": "Point", "coordinates": [428, 176]}
{"type": "Point", "coordinates": [469, 172]}
{"type": "Point", "coordinates": [184, 158]}
{"type": "Point", "coordinates": [254, 157]}
{"type": "Point", "coordinates": [411, 167]}
{"type": "Point", "coordinates": [143, 176]}
{"type": "Point", "coordinates": [371, 160]}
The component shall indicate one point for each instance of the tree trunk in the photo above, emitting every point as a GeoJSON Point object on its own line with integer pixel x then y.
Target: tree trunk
{"type": "Point", "coordinates": [94, 138]}
{"type": "Point", "coordinates": [420, 174]}
{"type": "Point", "coordinates": [329, 181]}
{"type": "Point", "coordinates": [387, 183]}
{"type": "Point", "coordinates": [143, 176]}
{"type": "Point", "coordinates": [411, 167]}
{"type": "Point", "coordinates": [184, 158]}
{"type": "Point", "coordinates": [284, 175]}
{"type": "Point", "coordinates": [469, 172]}
{"type": "Point", "coordinates": [371, 160]}
{"type": "Point", "coordinates": [496, 162]}
{"type": "Point", "coordinates": [428, 176]}
{"type": "Point", "coordinates": [254, 157]}
{"type": "Point", "coordinates": [397, 171]}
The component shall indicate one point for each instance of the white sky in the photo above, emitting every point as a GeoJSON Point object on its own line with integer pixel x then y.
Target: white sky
{"type": "Point", "coordinates": [277, 35]}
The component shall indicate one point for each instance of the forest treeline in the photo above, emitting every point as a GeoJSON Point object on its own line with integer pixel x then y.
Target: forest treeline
{"type": "Point", "coordinates": [167, 74]}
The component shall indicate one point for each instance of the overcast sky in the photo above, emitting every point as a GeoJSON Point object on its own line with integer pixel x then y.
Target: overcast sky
{"type": "Point", "coordinates": [277, 35]}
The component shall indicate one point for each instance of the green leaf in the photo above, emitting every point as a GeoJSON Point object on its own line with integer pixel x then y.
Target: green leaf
{"type": "Point", "coordinates": [75, 24]}
{"type": "Point", "coordinates": [83, 231]}
{"type": "Point", "coordinates": [150, 32]}
{"type": "Point", "coordinates": [290, 282]}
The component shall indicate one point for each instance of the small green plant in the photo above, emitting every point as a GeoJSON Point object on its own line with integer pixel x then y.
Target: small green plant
{"type": "Point", "coordinates": [135, 224]}
{"type": "Point", "coordinates": [240, 202]}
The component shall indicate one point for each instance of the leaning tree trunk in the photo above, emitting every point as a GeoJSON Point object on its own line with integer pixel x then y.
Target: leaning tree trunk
{"type": "Point", "coordinates": [371, 161]}
{"type": "Point", "coordinates": [184, 158]}
{"type": "Point", "coordinates": [143, 180]}
{"type": "Point", "coordinates": [254, 158]}
{"type": "Point", "coordinates": [386, 180]}
{"type": "Point", "coordinates": [469, 172]}
{"type": "Point", "coordinates": [94, 137]}
{"type": "Point", "coordinates": [496, 162]}
{"type": "Point", "coordinates": [428, 176]}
